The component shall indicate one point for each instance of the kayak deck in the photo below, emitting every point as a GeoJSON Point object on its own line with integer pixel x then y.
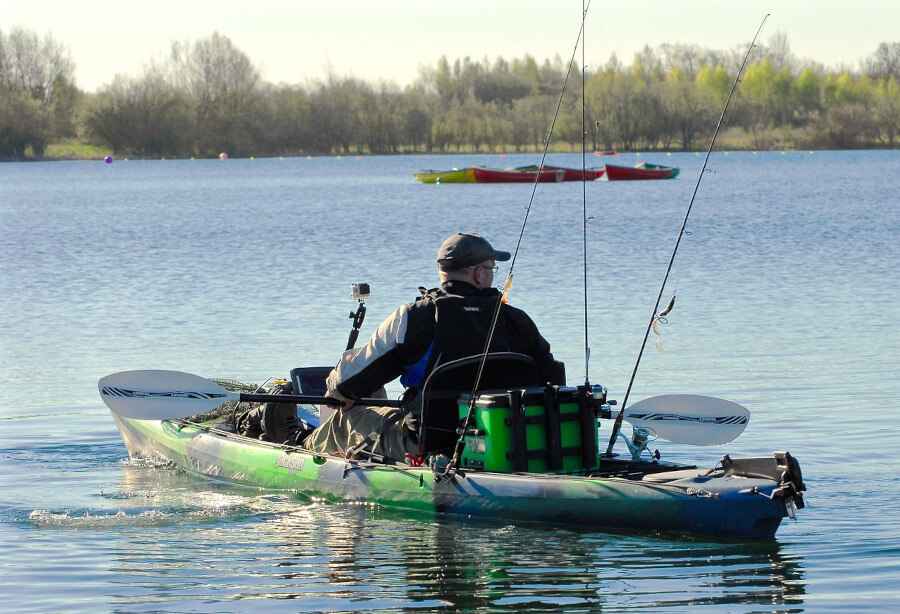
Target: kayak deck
{"type": "Point", "coordinates": [639, 495]}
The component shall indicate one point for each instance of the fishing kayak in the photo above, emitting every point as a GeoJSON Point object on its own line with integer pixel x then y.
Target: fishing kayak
{"type": "Point", "coordinates": [741, 498]}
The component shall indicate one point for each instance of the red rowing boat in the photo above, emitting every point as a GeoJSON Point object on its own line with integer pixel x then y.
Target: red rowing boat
{"type": "Point", "coordinates": [493, 175]}
{"type": "Point", "coordinates": [571, 174]}
{"type": "Point", "coordinates": [641, 171]}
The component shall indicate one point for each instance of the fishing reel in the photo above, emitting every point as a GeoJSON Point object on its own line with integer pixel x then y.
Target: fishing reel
{"type": "Point", "coordinates": [601, 405]}
{"type": "Point", "coordinates": [640, 439]}
{"type": "Point", "coordinates": [441, 467]}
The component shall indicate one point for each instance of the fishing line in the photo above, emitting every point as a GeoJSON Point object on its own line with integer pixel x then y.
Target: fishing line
{"type": "Point", "coordinates": [618, 423]}
{"type": "Point", "coordinates": [544, 152]}
{"type": "Point", "coordinates": [457, 452]}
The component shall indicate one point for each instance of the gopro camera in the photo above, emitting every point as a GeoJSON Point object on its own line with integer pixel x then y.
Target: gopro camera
{"type": "Point", "coordinates": [359, 291]}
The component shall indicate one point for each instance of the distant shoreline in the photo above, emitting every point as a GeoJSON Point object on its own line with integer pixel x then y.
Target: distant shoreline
{"type": "Point", "coordinates": [734, 140]}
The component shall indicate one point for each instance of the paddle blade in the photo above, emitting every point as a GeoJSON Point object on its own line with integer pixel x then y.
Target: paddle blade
{"type": "Point", "coordinates": [161, 395]}
{"type": "Point", "coordinates": [689, 418]}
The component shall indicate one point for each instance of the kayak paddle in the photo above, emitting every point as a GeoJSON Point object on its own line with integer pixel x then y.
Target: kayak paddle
{"type": "Point", "coordinates": [165, 395]}
{"type": "Point", "coordinates": [689, 418]}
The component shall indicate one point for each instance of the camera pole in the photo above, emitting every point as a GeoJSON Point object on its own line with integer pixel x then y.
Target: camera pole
{"type": "Point", "coordinates": [360, 292]}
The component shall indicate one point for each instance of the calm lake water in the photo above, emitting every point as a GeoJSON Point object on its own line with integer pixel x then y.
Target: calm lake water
{"type": "Point", "coordinates": [787, 303]}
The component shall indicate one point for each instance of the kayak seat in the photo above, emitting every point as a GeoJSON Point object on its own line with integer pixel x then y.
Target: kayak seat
{"type": "Point", "coordinates": [443, 387]}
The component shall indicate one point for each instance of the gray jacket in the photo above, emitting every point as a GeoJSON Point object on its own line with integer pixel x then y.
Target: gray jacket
{"type": "Point", "coordinates": [442, 325]}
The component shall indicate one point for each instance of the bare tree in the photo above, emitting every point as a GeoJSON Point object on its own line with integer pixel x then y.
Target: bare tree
{"type": "Point", "coordinates": [885, 62]}
{"type": "Point", "coordinates": [222, 84]}
{"type": "Point", "coordinates": [688, 59]}
{"type": "Point", "coordinates": [778, 52]}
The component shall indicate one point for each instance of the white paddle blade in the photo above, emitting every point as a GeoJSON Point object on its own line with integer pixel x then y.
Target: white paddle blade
{"type": "Point", "coordinates": [690, 419]}
{"type": "Point", "coordinates": [161, 395]}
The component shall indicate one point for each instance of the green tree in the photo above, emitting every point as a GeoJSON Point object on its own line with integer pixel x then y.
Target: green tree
{"type": "Point", "coordinates": [886, 111]}
{"type": "Point", "coordinates": [286, 119]}
{"type": "Point", "coordinates": [530, 121]}
{"type": "Point", "coordinates": [418, 115]}
{"type": "Point", "coordinates": [689, 107]}
{"type": "Point", "coordinates": [37, 92]}
{"type": "Point", "coordinates": [143, 116]}
{"type": "Point", "coordinates": [380, 115]}
{"type": "Point", "coordinates": [844, 89]}
{"type": "Point", "coordinates": [19, 121]}
{"type": "Point", "coordinates": [765, 97]}
{"type": "Point", "coordinates": [526, 69]}
{"type": "Point", "coordinates": [501, 85]}
{"type": "Point", "coordinates": [807, 93]}
{"type": "Point", "coordinates": [715, 80]}
{"type": "Point", "coordinates": [620, 104]}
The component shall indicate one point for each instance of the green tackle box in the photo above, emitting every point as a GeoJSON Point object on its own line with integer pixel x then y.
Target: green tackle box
{"type": "Point", "coordinates": [535, 430]}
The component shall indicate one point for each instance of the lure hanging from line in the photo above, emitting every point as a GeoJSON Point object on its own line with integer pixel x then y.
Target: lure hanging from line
{"type": "Point", "coordinates": [661, 319]}
{"type": "Point", "coordinates": [618, 423]}
{"type": "Point", "coordinates": [506, 288]}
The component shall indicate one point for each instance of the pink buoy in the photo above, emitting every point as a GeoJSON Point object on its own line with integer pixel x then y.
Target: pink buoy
{"type": "Point", "coordinates": [223, 156]}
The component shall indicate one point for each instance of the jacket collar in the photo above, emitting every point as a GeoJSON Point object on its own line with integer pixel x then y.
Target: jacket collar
{"type": "Point", "coordinates": [461, 288]}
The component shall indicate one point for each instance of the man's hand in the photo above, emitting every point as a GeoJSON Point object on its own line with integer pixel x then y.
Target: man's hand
{"type": "Point", "coordinates": [338, 404]}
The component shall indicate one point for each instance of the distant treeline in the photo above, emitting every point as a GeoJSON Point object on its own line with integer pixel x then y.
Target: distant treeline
{"type": "Point", "coordinates": [207, 97]}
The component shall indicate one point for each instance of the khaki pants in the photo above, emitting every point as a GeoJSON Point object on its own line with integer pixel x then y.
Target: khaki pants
{"type": "Point", "coordinates": [344, 430]}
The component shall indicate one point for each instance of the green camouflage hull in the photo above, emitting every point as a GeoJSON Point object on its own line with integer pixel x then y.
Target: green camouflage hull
{"type": "Point", "coordinates": [644, 495]}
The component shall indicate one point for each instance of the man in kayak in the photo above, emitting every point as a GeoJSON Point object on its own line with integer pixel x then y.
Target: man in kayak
{"type": "Point", "coordinates": [443, 324]}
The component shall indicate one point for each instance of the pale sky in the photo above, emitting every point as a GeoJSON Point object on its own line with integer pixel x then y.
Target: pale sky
{"type": "Point", "coordinates": [295, 41]}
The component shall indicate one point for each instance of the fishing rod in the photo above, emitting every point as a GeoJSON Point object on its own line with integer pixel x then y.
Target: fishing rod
{"type": "Point", "coordinates": [447, 470]}
{"type": "Point", "coordinates": [618, 423]}
{"type": "Point", "coordinates": [584, 216]}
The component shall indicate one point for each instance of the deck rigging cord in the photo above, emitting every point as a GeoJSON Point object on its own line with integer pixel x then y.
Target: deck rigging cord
{"type": "Point", "coordinates": [653, 317]}
{"type": "Point", "coordinates": [447, 471]}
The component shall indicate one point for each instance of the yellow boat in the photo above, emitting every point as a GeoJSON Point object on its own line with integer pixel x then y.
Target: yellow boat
{"type": "Point", "coordinates": [456, 175]}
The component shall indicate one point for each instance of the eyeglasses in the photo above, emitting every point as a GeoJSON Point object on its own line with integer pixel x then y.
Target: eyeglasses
{"type": "Point", "coordinates": [494, 268]}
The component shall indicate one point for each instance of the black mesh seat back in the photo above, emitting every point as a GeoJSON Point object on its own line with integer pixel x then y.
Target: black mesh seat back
{"type": "Point", "coordinates": [440, 410]}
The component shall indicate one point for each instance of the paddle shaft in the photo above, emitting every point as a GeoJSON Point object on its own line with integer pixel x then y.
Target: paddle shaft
{"type": "Point", "coordinates": [310, 399]}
